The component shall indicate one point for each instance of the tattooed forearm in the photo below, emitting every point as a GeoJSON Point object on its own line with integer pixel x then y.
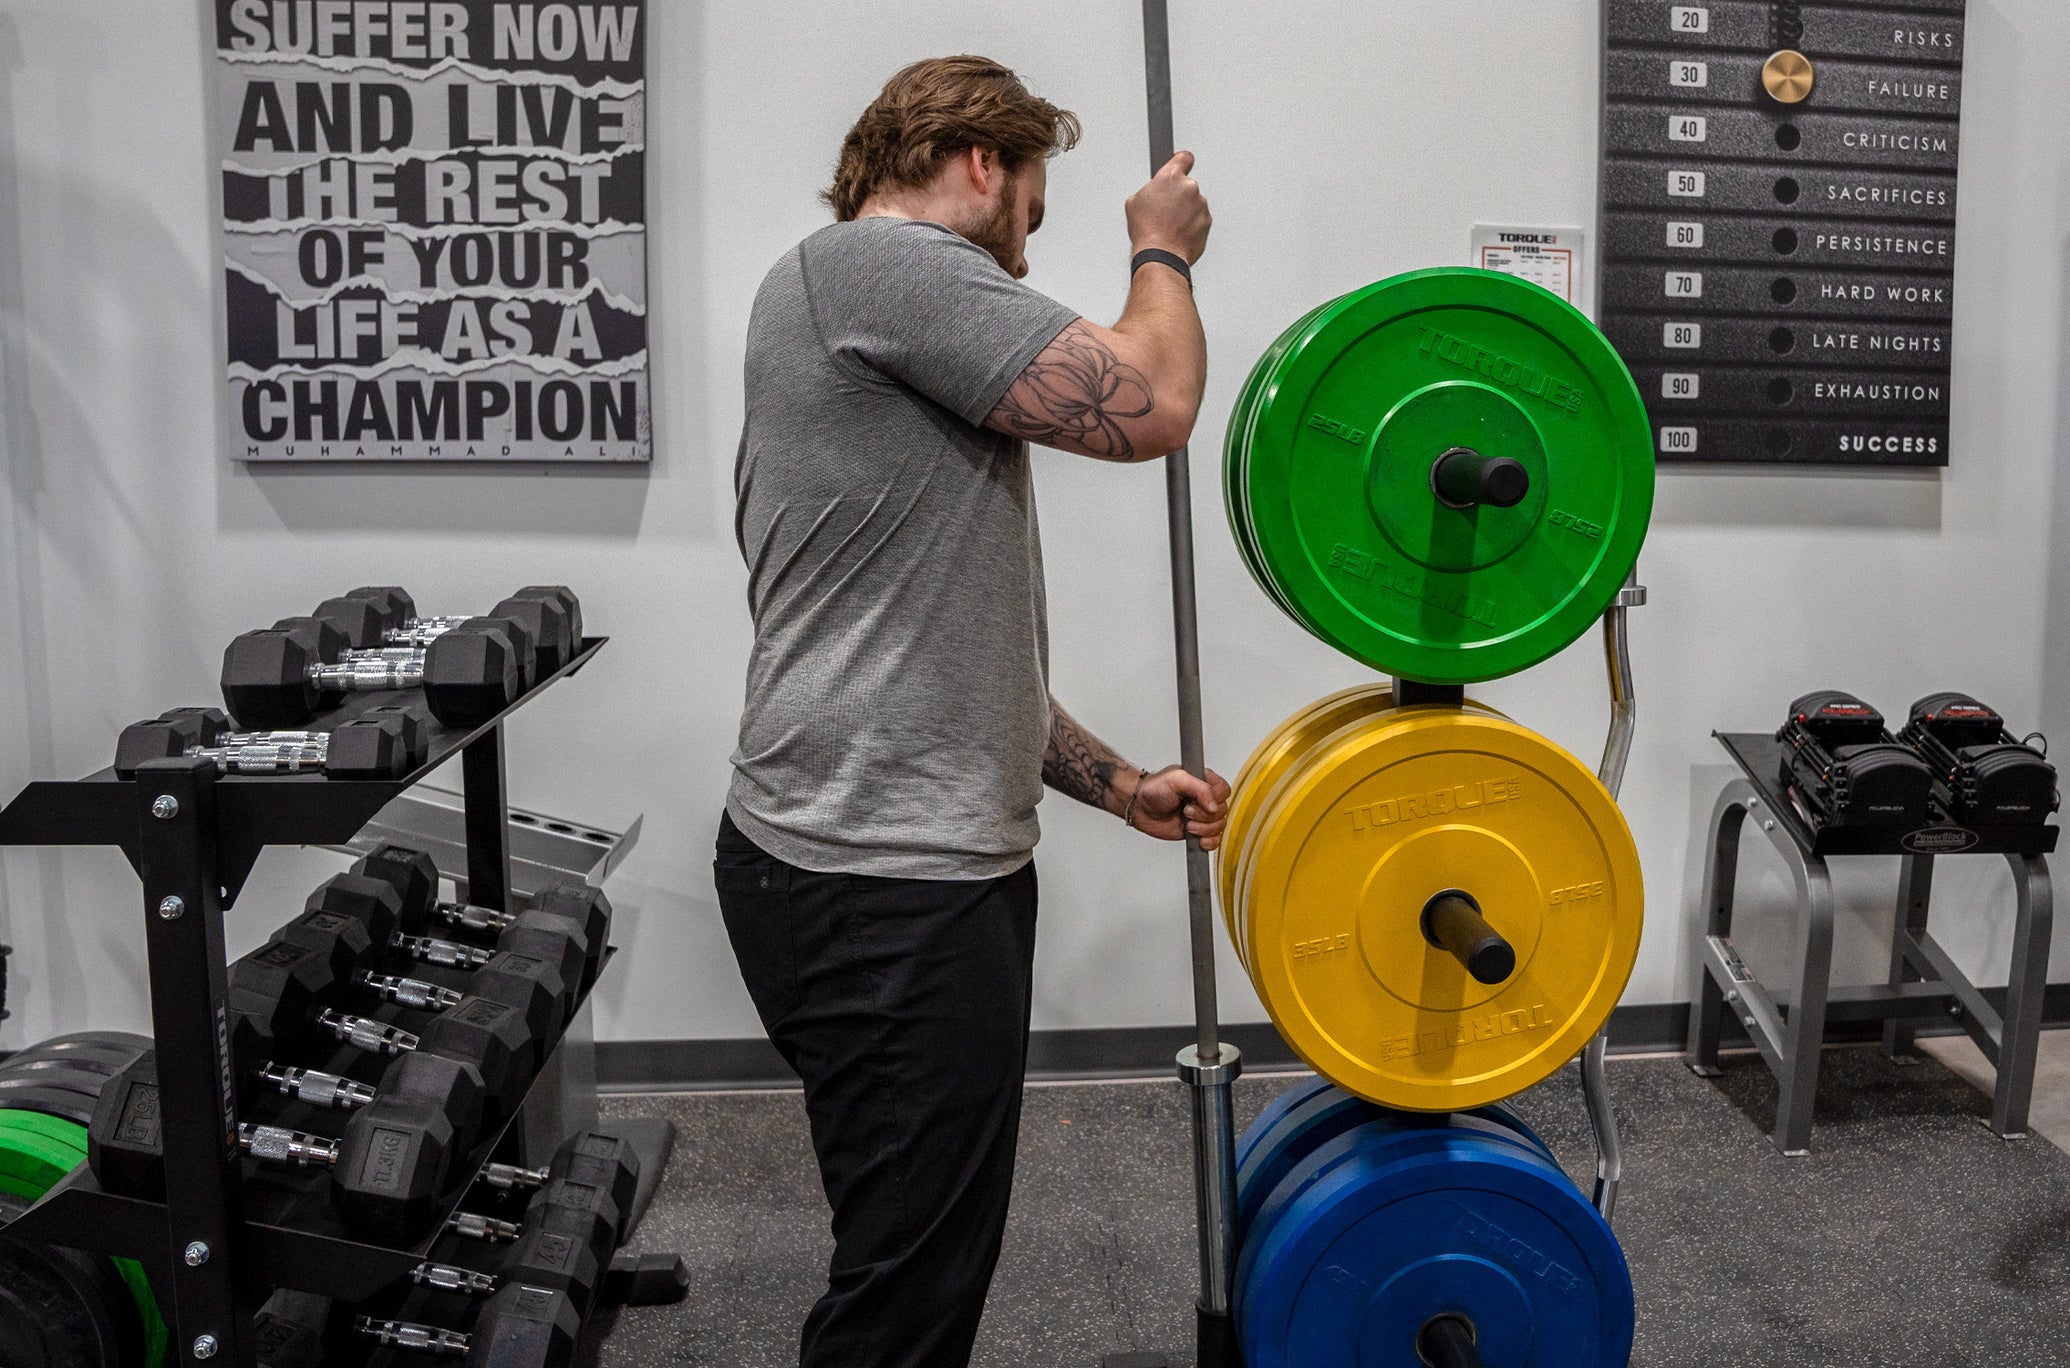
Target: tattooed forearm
{"type": "Point", "coordinates": [1075, 395]}
{"type": "Point", "coordinates": [1079, 764]}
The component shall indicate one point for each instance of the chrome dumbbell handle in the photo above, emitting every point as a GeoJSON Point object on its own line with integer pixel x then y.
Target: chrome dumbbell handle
{"type": "Point", "coordinates": [409, 992]}
{"type": "Point", "coordinates": [284, 1146]}
{"type": "Point", "coordinates": [510, 1177]}
{"type": "Point", "coordinates": [475, 1226]}
{"type": "Point", "coordinates": [318, 1089]}
{"type": "Point", "coordinates": [269, 756]}
{"type": "Point", "coordinates": [469, 918]}
{"type": "Point", "coordinates": [446, 1278]}
{"type": "Point", "coordinates": [422, 1339]}
{"type": "Point", "coordinates": [362, 1034]}
{"type": "Point", "coordinates": [444, 953]}
{"type": "Point", "coordinates": [366, 671]}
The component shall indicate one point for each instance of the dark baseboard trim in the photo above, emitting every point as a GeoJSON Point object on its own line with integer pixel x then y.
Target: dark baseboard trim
{"type": "Point", "coordinates": [1145, 1051]}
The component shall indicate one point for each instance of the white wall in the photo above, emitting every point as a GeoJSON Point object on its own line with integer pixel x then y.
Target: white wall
{"type": "Point", "coordinates": [1339, 143]}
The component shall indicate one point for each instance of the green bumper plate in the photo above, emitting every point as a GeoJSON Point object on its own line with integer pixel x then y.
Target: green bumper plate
{"type": "Point", "coordinates": [35, 1152]}
{"type": "Point", "coordinates": [1328, 474]}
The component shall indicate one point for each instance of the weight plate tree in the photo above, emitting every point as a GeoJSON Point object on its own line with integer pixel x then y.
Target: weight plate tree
{"type": "Point", "coordinates": [1448, 476]}
{"type": "Point", "coordinates": [1445, 475]}
{"type": "Point", "coordinates": [63, 1308]}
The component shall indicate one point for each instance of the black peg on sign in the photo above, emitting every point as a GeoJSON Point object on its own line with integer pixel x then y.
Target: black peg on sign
{"type": "Point", "coordinates": [1447, 1342]}
{"type": "Point", "coordinates": [1464, 478]}
{"type": "Point", "coordinates": [1452, 922]}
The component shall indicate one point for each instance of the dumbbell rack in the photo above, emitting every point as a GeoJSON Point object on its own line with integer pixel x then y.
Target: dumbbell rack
{"type": "Point", "coordinates": [219, 1239]}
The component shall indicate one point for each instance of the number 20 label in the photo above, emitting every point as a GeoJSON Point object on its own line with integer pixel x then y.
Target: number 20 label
{"type": "Point", "coordinates": [1689, 19]}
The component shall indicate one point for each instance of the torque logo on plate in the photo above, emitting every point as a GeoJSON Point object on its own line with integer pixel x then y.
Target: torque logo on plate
{"type": "Point", "coordinates": [1472, 1030]}
{"type": "Point", "coordinates": [1502, 369]}
{"type": "Point", "coordinates": [1437, 803]}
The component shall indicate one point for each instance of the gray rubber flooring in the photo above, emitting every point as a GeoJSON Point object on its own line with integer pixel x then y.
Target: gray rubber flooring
{"type": "Point", "coordinates": [1912, 1236]}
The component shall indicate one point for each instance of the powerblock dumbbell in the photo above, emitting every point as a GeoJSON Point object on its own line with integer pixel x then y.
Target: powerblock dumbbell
{"type": "Point", "coordinates": [414, 877]}
{"type": "Point", "coordinates": [387, 1171]}
{"type": "Point", "coordinates": [1981, 773]}
{"type": "Point", "coordinates": [288, 673]}
{"type": "Point", "coordinates": [386, 615]}
{"type": "Point", "coordinates": [387, 742]}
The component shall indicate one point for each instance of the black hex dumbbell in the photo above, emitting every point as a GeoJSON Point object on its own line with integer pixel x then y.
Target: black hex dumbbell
{"type": "Point", "coordinates": [288, 673]}
{"type": "Point", "coordinates": [414, 876]}
{"type": "Point", "coordinates": [386, 615]}
{"type": "Point", "coordinates": [387, 1172]}
{"type": "Point", "coordinates": [518, 1327]}
{"type": "Point", "coordinates": [489, 1035]}
{"type": "Point", "coordinates": [529, 984]}
{"type": "Point", "coordinates": [387, 742]}
{"type": "Point", "coordinates": [451, 1087]}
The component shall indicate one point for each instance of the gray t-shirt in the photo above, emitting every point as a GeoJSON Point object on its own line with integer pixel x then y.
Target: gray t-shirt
{"type": "Point", "coordinates": [898, 694]}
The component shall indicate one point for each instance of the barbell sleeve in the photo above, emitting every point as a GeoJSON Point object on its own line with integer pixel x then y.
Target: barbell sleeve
{"type": "Point", "coordinates": [1465, 478]}
{"type": "Point", "coordinates": [1452, 922]}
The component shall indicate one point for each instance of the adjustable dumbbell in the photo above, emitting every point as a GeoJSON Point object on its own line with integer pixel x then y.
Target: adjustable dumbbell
{"type": "Point", "coordinates": [387, 1171]}
{"type": "Point", "coordinates": [414, 877]}
{"type": "Point", "coordinates": [290, 672]}
{"type": "Point", "coordinates": [386, 615]}
{"type": "Point", "coordinates": [383, 743]}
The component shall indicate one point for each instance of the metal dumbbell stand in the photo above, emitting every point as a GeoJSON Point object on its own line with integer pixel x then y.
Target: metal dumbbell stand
{"type": "Point", "coordinates": [220, 1239]}
{"type": "Point", "coordinates": [1789, 1027]}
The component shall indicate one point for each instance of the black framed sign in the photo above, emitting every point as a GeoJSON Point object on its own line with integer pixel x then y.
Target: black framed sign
{"type": "Point", "coordinates": [1778, 238]}
{"type": "Point", "coordinates": [434, 229]}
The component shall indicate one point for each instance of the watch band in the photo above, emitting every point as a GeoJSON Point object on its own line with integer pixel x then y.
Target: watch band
{"type": "Point", "coordinates": [1162, 257]}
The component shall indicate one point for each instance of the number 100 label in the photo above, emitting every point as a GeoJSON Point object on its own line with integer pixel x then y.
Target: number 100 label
{"type": "Point", "coordinates": [1681, 440]}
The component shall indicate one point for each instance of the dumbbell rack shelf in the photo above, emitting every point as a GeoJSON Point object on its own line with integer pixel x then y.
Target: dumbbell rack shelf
{"type": "Point", "coordinates": [223, 1236]}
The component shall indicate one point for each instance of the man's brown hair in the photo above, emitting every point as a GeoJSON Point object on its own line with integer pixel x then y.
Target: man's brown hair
{"type": "Point", "coordinates": [936, 110]}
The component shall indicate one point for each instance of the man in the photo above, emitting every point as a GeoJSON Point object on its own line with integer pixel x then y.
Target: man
{"type": "Point", "coordinates": [874, 865]}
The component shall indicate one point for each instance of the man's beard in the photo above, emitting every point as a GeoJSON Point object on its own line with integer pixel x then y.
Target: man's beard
{"type": "Point", "coordinates": [993, 229]}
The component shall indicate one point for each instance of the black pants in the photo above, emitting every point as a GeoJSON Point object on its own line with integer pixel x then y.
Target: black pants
{"type": "Point", "coordinates": [903, 1005]}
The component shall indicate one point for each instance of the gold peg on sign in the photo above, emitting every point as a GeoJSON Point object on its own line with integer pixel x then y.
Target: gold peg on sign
{"type": "Point", "coordinates": [1788, 76]}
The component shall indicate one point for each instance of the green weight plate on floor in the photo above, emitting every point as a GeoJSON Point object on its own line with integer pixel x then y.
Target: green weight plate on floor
{"type": "Point", "coordinates": [1336, 475]}
{"type": "Point", "coordinates": [36, 1151]}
